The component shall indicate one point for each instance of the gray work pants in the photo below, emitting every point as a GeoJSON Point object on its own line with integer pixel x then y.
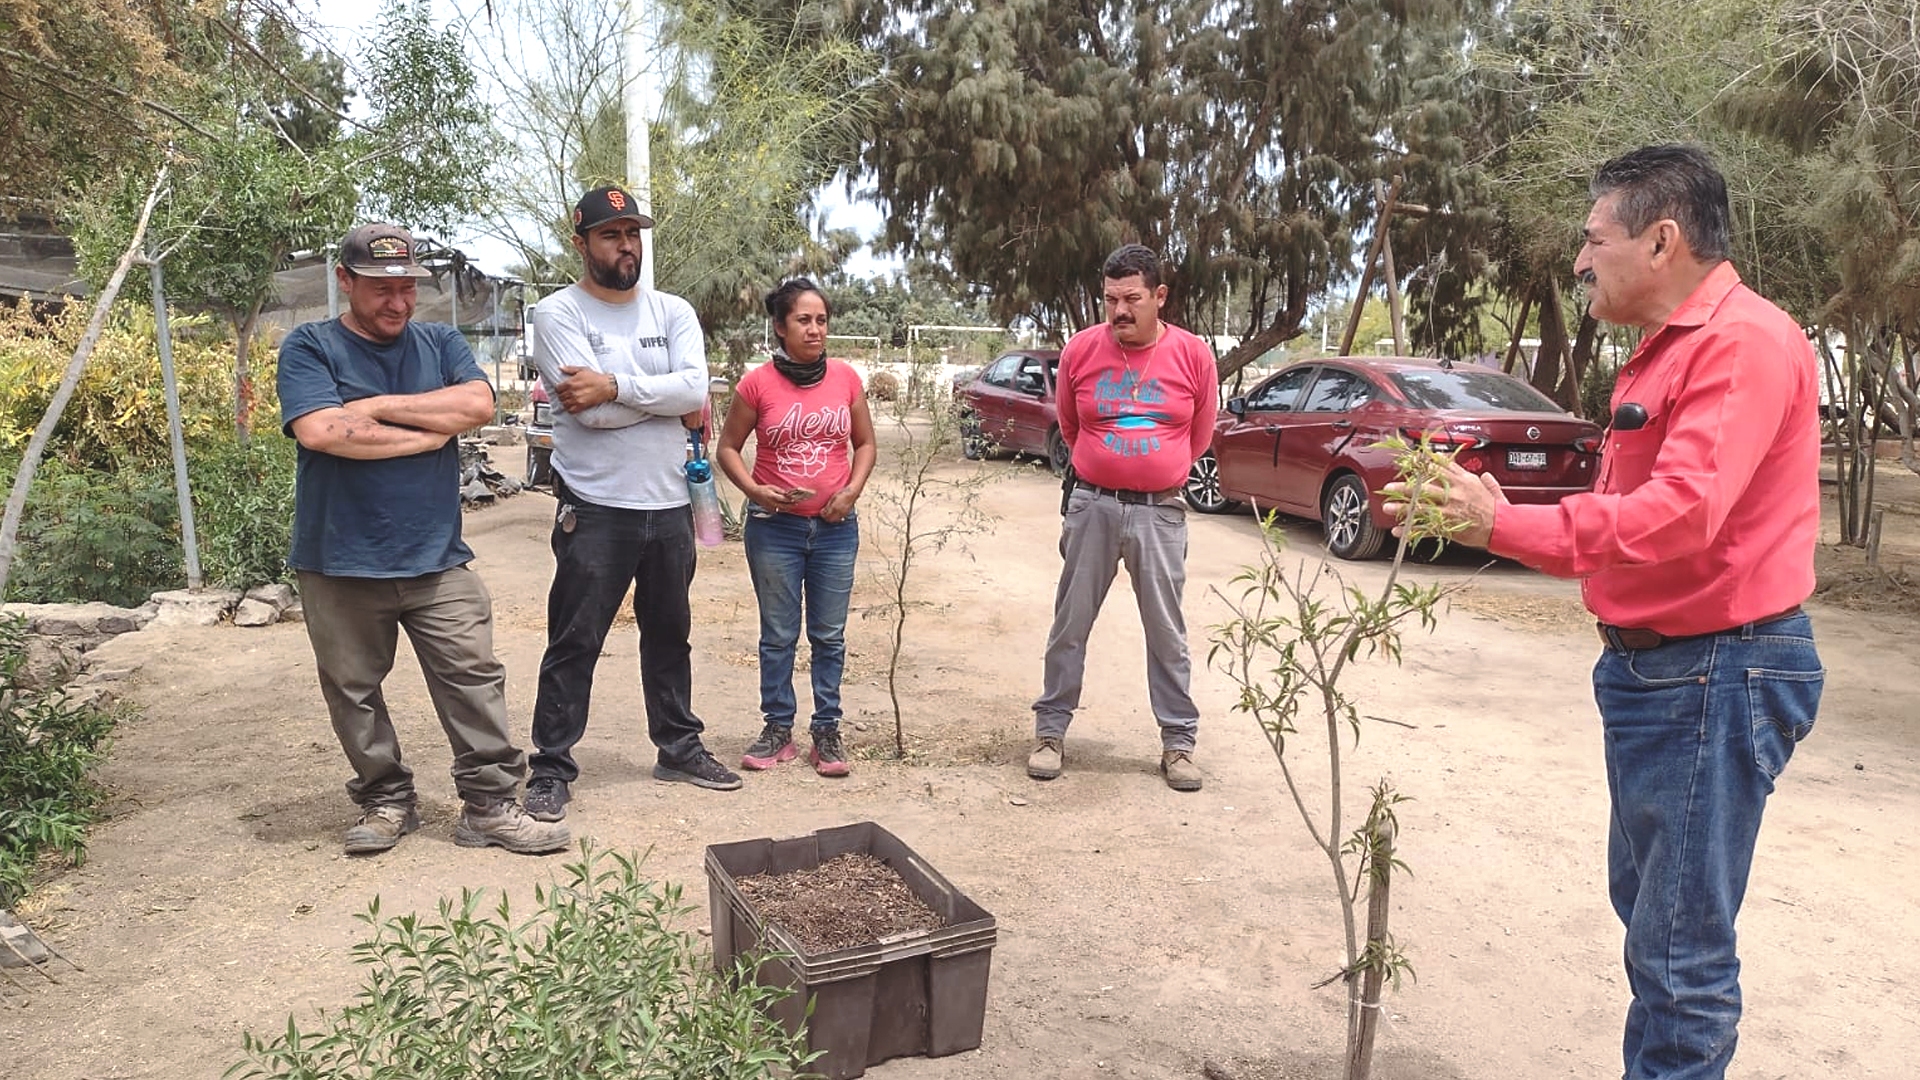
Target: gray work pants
{"type": "Point", "coordinates": [354, 626]}
{"type": "Point", "coordinates": [1097, 536]}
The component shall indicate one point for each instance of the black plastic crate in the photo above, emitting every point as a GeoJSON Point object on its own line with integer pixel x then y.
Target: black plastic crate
{"type": "Point", "coordinates": [923, 992]}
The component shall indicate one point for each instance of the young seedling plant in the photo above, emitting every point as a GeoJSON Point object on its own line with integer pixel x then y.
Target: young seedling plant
{"type": "Point", "coordinates": [1287, 648]}
{"type": "Point", "coordinates": [598, 982]}
{"type": "Point", "coordinates": [921, 509]}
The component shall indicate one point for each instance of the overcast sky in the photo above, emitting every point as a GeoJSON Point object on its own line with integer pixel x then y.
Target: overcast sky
{"type": "Point", "coordinates": [348, 24]}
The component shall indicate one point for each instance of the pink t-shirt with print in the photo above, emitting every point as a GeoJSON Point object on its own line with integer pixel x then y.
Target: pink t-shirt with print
{"type": "Point", "coordinates": [803, 436]}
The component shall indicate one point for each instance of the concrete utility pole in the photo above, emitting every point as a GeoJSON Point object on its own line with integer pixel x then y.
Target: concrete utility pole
{"type": "Point", "coordinates": [637, 100]}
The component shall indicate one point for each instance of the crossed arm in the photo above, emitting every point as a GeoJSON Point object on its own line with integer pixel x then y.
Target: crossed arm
{"type": "Point", "coordinates": [395, 425]}
{"type": "Point", "coordinates": [601, 399]}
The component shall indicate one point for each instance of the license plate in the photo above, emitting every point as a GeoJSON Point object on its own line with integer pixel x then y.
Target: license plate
{"type": "Point", "coordinates": [1526, 459]}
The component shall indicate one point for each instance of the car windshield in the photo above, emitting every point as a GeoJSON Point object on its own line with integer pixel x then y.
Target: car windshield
{"type": "Point", "coordinates": [1456, 388]}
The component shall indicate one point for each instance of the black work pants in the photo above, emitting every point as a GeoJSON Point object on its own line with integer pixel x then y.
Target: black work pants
{"type": "Point", "coordinates": [607, 550]}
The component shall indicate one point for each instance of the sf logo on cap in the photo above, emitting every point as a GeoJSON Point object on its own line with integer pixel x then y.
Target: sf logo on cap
{"type": "Point", "coordinates": [617, 200]}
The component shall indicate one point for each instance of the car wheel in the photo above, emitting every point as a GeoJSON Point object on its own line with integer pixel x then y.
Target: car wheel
{"type": "Point", "coordinates": [1351, 533]}
{"type": "Point", "coordinates": [539, 466]}
{"type": "Point", "coordinates": [973, 438]}
{"type": "Point", "coordinates": [1203, 487]}
{"type": "Point", "coordinates": [1058, 456]}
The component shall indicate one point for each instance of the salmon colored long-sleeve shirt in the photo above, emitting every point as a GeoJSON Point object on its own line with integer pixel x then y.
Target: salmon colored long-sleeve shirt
{"type": "Point", "coordinates": [1136, 419]}
{"type": "Point", "coordinates": [1706, 517]}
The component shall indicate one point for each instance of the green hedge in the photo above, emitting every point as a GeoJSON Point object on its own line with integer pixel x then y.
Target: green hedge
{"type": "Point", "coordinates": [48, 747]}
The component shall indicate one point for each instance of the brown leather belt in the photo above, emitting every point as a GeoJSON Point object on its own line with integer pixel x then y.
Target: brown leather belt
{"type": "Point", "coordinates": [1131, 498]}
{"type": "Point", "coordinates": [1626, 638]}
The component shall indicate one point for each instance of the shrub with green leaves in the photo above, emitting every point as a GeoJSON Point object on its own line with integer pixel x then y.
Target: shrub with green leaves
{"type": "Point", "coordinates": [243, 508]}
{"type": "Point", "coordinates": [48, 746]}
{"type": "Point", "coordinates": [117, 417]}
{"type": "Point", "coordinates": [597, 983]}
{"type": "Point", "coordinates": [96, 535]}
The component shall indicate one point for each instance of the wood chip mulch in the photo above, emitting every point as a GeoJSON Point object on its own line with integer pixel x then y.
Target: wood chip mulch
{"type": "Point", "coordinates": [848, 900]}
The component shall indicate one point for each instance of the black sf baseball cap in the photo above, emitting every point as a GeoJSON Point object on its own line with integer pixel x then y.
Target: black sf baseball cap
{"type": "Point", "coordinates": [604, 204]}
{"type": "Point", "coordinates": [381, 250]}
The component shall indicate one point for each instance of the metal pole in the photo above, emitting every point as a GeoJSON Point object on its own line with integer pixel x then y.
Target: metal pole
{"type": "Point", "coordinates": [637, 100]}
{"type": "Point", "coordinates": [333, 288]}
{"type": "Point", "coordinates": [163, 338]}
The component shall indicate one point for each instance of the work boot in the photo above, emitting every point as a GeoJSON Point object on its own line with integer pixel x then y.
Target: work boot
{"type": "Point", "coordinates": [1181, 773]}
{"type": "Point", "coordinates": [504, 823]}
{"type": "Point", "coordinates": [774, 746]}
{"type": "Point", "coordinates": [1047, 759]}
{"type": "Point", "coordinates": [829, 757]}
{"type": "Point", "coordinates": [547, 798]}
{"type": "Point", "coordinates": [381, 827]}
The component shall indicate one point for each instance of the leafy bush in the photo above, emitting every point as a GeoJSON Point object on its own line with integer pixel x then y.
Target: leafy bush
{"type": "Point", "coordinates": [118, 412]}
{"type": "Point", "coordinates": [47, 747]}
{"type": "Point", "coordinates": [97, 535]}
{"type": "Point", "coordinates": [884, 386]}
{"type": "Point", "coordinates": [243, 508]}
{"type": "Point", "coordinates": [597, 983]}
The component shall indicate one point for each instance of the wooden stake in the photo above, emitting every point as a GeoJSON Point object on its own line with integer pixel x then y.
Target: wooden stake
{"type": "Point", "coordinates": [1366, 272]}
{"type": "Point", "coordinates": [1395, 317]}
{"type": "Point", "coordinates": [36, 446]}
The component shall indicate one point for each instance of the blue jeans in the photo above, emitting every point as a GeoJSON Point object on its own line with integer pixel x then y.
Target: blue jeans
{"type": "Point", "coordinates": [1696, 731]}
{"type": "Point", "coordinates": [801, 561]}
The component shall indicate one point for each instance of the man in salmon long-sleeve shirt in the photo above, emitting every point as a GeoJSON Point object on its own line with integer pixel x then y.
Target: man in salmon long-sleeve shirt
{"type": "Point", "coordinates": [1694, 551]}
{"type": "Point", "coordinates": [1137, 401]}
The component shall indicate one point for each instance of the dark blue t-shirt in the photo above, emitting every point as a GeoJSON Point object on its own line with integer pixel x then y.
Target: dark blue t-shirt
{"type": "Point", "coordinates": [393, 518]}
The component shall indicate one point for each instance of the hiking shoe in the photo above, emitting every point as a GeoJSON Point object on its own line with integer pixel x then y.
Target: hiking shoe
{"type": "Point", "coordinates": [829, 757]}
{"type": "Point", "coordinates": [381, 827]}
{"type": "Point", "coordinates": [1181, 773]}
{"type": "Point", "coordinates": [547, 798]}
{"type": "Point", "coordinates": [504, 823]}
{"type": "Point", "coordinates": [1047, 759]}
{"type": "Point", "coordinates": [774, 746]}
{"type": "Point", "coordinates": [703, 771]}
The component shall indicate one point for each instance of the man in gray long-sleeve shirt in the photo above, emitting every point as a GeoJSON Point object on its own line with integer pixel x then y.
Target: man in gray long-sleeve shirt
{"type": "Point", "coordinates": [625, 365]}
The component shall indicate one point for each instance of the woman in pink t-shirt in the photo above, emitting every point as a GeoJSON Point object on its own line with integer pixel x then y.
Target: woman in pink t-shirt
{"type": "Point", "coordinates": [813, 437]}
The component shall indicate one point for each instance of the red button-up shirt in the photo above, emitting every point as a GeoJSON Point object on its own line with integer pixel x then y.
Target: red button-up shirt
{"type": "Point", "coordinates": [1706, 517]}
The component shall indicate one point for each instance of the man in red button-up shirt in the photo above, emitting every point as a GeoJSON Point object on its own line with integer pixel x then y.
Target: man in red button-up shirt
{"type": "Point", "coordinates": [1694, 551]}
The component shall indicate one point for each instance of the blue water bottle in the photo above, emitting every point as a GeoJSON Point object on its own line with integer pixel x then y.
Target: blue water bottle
{"type": "Point", "coordinates": [707, 527]}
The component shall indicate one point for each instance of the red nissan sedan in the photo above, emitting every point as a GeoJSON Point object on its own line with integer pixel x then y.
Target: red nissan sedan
{"type": "Point", "coordinates": [1302, 442]}
{"type": "Point", "coordinates": [1009, 405]}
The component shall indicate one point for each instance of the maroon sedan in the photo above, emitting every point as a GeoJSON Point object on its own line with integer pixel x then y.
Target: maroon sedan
{"type": "Point", "coordinates": [1303, 441]}
{"type": "Point", "coordinates": [1009, 405]}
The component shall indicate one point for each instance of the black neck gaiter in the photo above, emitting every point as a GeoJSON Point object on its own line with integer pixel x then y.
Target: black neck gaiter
{"type": "Point", "coordinates": [801, 375]}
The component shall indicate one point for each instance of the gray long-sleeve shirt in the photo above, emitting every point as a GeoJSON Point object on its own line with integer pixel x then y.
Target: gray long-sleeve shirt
{"type": "Point", "coordinates": [629, 452]}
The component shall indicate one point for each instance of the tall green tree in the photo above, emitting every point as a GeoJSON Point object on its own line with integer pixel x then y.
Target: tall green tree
{"type": "Point", "coordinates": [424, 155]}
{"type": "Point", "coordinates": [271, 167]}
{"type": "Point", "coordinates": [1031, 137]}
{"type": "Point", "coordinates": [79, 83]}
{"type": "Point", "coordinates": [1842, 97]}
{"type": "Point", "coordinates": [760, 103]}
{"type": "Point", "coordinates": [1556, 87]}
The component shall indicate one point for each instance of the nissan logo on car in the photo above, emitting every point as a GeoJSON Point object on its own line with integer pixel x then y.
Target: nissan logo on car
{"type": "Point", "coordinates": [1533, 434]}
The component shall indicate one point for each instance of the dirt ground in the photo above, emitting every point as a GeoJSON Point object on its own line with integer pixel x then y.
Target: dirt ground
{"type": "Point", "coordinates": [1141, 931]}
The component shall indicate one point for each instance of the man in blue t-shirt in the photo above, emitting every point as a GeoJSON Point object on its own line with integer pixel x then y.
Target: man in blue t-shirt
{"type": "Point", "coordinates": [377, 404]}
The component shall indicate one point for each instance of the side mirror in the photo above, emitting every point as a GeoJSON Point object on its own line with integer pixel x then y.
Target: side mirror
{"type": "Point", "coordinates": [1237, 406]}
